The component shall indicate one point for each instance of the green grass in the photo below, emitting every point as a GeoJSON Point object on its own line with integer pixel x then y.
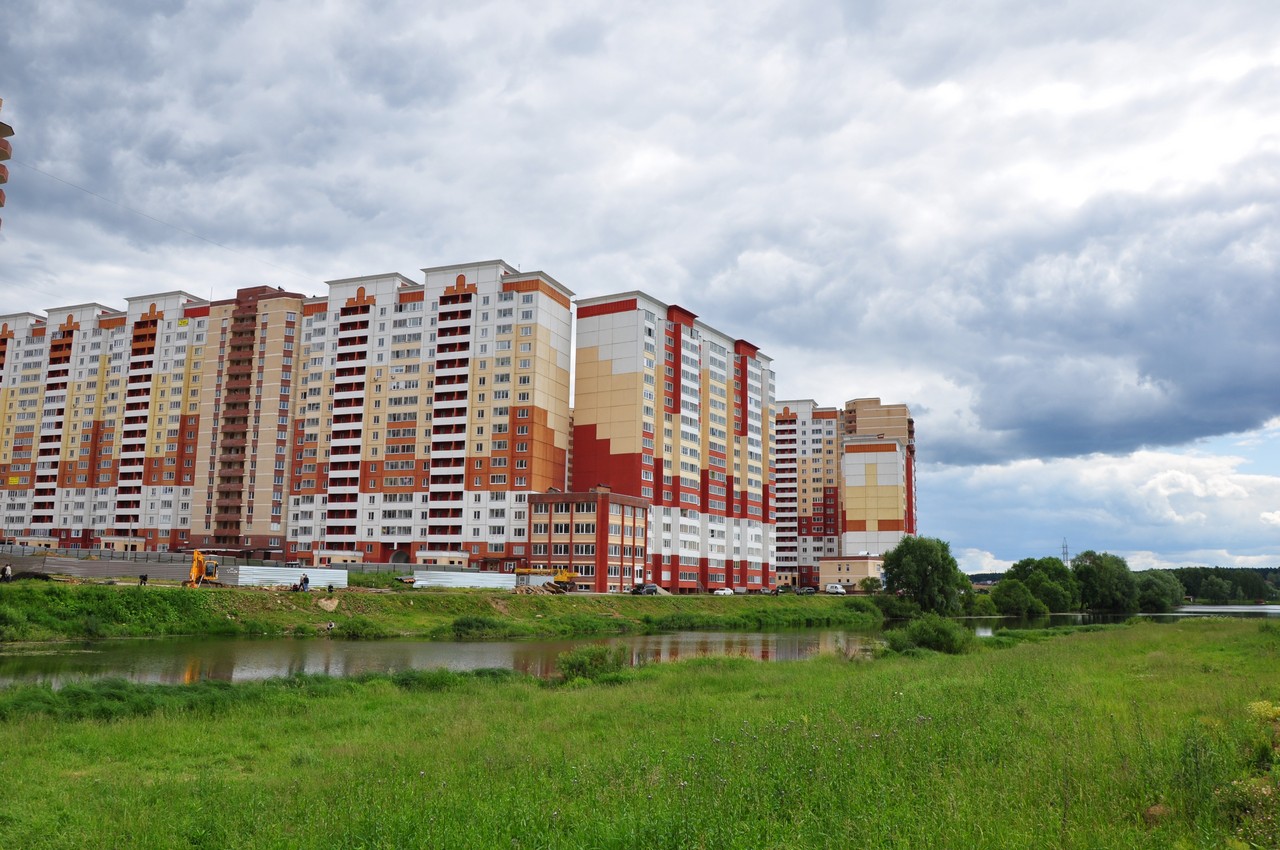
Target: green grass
{"type": "Point", "coordinates": [1061, 742]}
{"type": "Point", "coordinates": [35, 611]}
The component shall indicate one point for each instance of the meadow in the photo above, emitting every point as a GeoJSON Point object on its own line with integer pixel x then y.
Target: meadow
{"type": "Point", "coordinates": [1136, 736]}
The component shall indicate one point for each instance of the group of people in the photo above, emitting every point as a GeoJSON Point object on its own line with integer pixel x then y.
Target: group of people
{"type": "Point", "coordinates": [6, 573]}
{"type": "Point", "coordinates": [304, 583]}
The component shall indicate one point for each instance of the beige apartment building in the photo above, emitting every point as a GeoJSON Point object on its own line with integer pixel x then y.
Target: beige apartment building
{"type": "Point", "coordinates": [672, 410]}
{"type": "Point", "coordinates": [845, 488]}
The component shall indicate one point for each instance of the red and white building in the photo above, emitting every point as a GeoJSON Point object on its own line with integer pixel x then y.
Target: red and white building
{"type": "Point", "coordinates": [846, 488]}
{"type": "Point", "coordinates": [599, 536]}
{"type": "Point", "coordinates": [674, 411]}
{"type": "Point", "coordinates": [429, 413]}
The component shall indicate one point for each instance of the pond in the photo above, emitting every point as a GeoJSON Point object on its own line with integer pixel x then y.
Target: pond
{"type": "Point", "coordinates": [185, 660]}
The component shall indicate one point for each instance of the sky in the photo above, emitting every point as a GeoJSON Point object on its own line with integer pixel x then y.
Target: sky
{"type": "Point", "coordinates": [1053, 230]}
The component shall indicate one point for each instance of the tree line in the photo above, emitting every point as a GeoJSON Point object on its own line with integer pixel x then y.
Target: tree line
{"type": "Point", "coordinates": [920, 574]}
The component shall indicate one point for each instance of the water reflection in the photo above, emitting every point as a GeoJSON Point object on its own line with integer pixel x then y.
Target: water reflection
{"type": "Point", "coordinates": [189, 660]}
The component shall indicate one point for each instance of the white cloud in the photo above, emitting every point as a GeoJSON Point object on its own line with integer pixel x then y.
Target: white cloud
{"type": "Point", "coordinates": [1052, 230]}
{"type": "Point", "coordinates": [1199, 508]}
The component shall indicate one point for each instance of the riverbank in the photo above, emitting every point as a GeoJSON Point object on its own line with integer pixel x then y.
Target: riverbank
{"type": "Point", "coordinates": [1143, 736]}
{"type": "Point", "coordinates": [42, 610]}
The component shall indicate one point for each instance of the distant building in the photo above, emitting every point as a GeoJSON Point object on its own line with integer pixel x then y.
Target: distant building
{"type": "Point", "coordinates": [845, 487]}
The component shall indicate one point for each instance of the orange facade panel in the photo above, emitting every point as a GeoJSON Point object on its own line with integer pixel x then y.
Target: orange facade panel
{"type": "Point", "coordinates": [870, 448]}
{"type": "Point", "coordinates": [536, 285]}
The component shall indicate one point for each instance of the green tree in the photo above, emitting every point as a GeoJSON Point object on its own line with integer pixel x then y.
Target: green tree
{"type": "Point", "coordinates": [1012, 598]}
{"type": "Point", "coordinates": [870, 584]}
{"type": "Point", "coordinates": [923, 570]}
{"type": "Point", "coordinates": [1216, 589]}
{"type": "Point", "coordinates": [1106, 584]}
{"type": "Point", "coordinates": [1047, 570]}
{"type": "Point", "coordinates": [1052, 595]}
{"type": "Point", "coordinates": [1158, 591]}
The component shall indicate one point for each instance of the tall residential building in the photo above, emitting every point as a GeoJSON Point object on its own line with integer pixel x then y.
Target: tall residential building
{"type": "Point", "coordinates": [807, 489]}
{"type": "Point", "coordinates": [846, 483]}
{"type": "Point", "coordinates": [246, 392]}
{"type": "Point", "coordinates": [103, 395]}
{"type": "Point", "coordinates": [429, 412]}
{"type": "Point", "coordinates": [672, 410]}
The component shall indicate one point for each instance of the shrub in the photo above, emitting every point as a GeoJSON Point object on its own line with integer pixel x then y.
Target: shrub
{"type": "Point", "coordinates": [592, 661]}
{"type": "Point", "coordinates": [931, 631]}
{"type": "Point", "coordinates": [940, 634]}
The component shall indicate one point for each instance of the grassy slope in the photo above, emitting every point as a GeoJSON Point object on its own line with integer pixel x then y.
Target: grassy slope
{"type": "Point", "coordinates": [1063, 743]}
{"type": "Point", "coordinates": [45, 610]}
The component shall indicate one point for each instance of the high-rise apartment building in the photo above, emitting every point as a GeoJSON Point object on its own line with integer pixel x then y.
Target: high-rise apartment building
{"type": "Point", "coordinates": [99, 429]}
{"type": "Point", "coordinates": [247, 385]}
{"type": "Point", "coordinates": [393, 420]}
{"type": "Point", "coordinates": [845, 483]}
{"type": "Point", "coordinates": [674, 411]}
{"type": "Point", "coordinates": [807, 488]}
{"type": "Point", "coordinates": [428, 413]}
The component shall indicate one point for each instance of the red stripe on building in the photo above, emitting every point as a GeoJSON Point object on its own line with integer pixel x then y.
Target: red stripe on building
{"type": "Point", "coordinates": [590, 310]}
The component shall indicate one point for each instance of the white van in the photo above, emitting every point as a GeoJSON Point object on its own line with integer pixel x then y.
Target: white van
{"type": "Point", "coordinates": [835, 589]}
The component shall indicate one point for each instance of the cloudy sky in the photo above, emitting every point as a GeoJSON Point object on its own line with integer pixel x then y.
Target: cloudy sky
{"type": "Point", "coordinates": [1054, 232]}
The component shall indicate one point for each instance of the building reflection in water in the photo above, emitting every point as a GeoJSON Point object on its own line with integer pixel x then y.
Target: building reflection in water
{"type": "Point", "coordinates": [189, 660]}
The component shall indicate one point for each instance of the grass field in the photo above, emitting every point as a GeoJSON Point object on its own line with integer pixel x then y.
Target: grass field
{"type": "Point", "coordinates": [1141, 736]}
{"type": "Point", "coordinates": [35, 611]}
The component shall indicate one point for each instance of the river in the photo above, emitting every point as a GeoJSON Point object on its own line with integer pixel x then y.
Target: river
{"type": "Point", "coordinates": [184, 660]}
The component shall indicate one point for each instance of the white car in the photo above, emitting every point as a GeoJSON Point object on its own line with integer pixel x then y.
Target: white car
{"type": "Point", "coordinates": [722, 591]}
{"type": "Point", "coordinates": [835, 589]}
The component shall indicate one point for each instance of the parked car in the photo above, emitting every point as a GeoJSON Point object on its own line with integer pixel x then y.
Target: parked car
{"type": "Point", "coordinates": [644, 590]}
{"type": "Point", "coordinates": [835, 589]}
{"type": "Point", "coordinates": [783, 588]}
{"type": "Point", "coordinates": [722, 591]}
{"type": "Point", "coordinates": [806, 591]}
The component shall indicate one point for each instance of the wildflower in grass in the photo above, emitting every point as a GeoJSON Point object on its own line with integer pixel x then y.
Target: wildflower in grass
{"type": "Point", "coordinates": [1267, 712]}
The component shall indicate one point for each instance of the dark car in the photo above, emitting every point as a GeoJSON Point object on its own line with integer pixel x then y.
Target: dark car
{"type": "Point", "coordinates": [806, 591]}
{"type": "Point", "coordinates": [783, 588]}
{"type": "Point", "coordinates": [644, 590]}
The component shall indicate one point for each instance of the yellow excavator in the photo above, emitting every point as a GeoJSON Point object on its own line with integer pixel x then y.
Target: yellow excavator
{"type": "Point", "coordinates": [203, 571]}
{"type": "Point", "coordinates": [563, 580]}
